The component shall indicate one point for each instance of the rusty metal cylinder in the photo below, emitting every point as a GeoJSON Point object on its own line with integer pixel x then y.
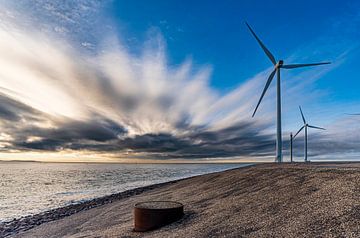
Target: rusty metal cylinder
{"type": "Point", "coordinates": [155, 214]}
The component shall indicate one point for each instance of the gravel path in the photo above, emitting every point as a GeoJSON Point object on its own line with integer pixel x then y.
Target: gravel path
{"type": "Point", "coordinates": [266, 200]}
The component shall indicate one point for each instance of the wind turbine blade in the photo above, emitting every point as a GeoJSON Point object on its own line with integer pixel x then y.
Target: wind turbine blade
{"type": "Point", "coordinates": [302, 115]}
{"type": "Point", "coordinates": [267, 52]}
{"type": "Point", "coordinates": [265, 88]}
{"type": "Point", "coordinates": [298, 132]}
{"type": "Point", "coordinates": [315, 127]}
{"type": "Point", "coordinates": [292, 66]}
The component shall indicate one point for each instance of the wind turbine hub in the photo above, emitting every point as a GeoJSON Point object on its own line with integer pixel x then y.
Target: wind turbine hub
{"type": "Point", "coordinates": [279, 64]}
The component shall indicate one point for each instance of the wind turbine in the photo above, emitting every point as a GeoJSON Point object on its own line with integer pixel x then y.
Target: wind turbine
{"type": "Point", "coordinates": [306, 125]}
{"type": "Point", "coordinates": [291, 147]}
{"type": "Point", "coordinates": [277, 66]}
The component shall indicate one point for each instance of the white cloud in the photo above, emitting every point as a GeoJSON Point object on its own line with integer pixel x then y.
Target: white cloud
{"type": "Point", "coordinates": [143, 93]}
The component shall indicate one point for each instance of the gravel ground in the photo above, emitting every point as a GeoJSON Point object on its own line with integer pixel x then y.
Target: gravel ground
{"type": "Point", "coordinates": [266, 200]}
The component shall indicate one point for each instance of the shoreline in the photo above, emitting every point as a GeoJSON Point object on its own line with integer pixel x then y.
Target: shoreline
{"type": "Point", "coordinates": [308, 199]}
{"type": "Point", "coordinates": [27, 222]}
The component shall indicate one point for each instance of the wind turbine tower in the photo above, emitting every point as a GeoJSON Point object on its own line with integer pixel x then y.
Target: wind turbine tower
{"type": "Point", "coordinates": [291, 147]}
{"type": "Point", "coordinates": [305, 127]}
{"type": "Point", "coordinates": [277, 66]}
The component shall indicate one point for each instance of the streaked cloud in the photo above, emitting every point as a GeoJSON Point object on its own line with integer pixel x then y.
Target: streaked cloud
{"type": "Point", "coordinates": [62, 91]}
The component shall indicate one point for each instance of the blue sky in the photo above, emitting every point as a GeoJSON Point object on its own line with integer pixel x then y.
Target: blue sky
{"type": "Point", "coordinates": [174, 79]}
{"type": "Point", "coordinates": [214, 33]}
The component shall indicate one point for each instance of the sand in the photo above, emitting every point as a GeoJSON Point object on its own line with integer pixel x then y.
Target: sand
{"type": "Point", "coordinates": [267, 200]}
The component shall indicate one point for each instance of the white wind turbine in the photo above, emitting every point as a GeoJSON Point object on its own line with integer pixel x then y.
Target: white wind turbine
{"type": "Point", "coordinates": [306, 126]}
{"type": "Point", "coordinates": [277, 66]}
{"type": "Point", "coordinates": [291, 146]}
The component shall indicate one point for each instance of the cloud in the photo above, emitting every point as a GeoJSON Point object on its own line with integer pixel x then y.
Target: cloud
{"type": "Point", "coordinates": [67, 133]}
{"type": "Point", "coordinates": [339, 142]}
{"type": "Point", "coordinates": [56, 96]}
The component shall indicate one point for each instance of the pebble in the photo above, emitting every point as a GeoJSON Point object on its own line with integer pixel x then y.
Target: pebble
{"type": "Point", "coordinates": [27, 222]}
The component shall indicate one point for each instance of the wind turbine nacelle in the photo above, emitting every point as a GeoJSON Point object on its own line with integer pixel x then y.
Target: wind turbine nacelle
{"type": "Point", "coordinates": [279, 64]}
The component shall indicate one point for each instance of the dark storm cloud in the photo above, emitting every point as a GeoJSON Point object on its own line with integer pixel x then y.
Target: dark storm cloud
{"type": "Point", "coordinates": [153, 143]}
{"type": "Point", "coordinates": [243, 139]}
{"type": "Point", "coordinates": [12, 110]}
{"type": "Point", "coordinates": [101, 134]}
{"type": "Point", "coordinates": [234, 141]}
{"type": "Point", "coordinates": [96, 130]}
{"type": "Point", "coordinates": [22, 122]}
{"type": "Point", "coordinates": [104, 135]}
{"type": "Point", "coordinates": [69, 133]}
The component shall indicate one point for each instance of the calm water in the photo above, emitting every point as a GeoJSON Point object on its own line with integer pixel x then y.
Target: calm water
{"type": "Point", "coordinates": [30, 188]}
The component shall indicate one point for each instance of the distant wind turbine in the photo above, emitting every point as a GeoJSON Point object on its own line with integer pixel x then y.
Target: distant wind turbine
{"type": "Point", "coordinates": [306, 125]}
{"type": "Point", "coordinates": [277, 66]}
{"type": "Point", "coordinates": [291, 147]}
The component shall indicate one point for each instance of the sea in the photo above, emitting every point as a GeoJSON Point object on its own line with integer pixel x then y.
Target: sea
{"type": "Point", "coordinates": [28, 188]}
